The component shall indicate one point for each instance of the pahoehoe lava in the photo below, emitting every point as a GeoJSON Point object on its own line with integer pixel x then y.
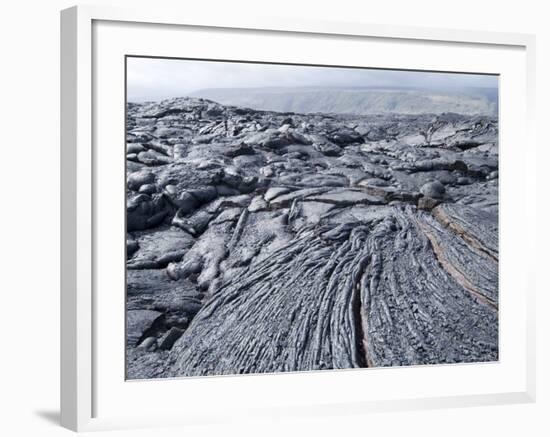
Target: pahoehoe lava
{"type": "Point", "coordinates": [261, 241]}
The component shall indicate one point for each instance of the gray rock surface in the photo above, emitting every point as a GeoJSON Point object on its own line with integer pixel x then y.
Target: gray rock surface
{"type": "Point", "coordinates": [434, 189]}
{"type": "Point", "coordinates": [261, 241]}
{"type": "Point", "coordinates": [138, 322]}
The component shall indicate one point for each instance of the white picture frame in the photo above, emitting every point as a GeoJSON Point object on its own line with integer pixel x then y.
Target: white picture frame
{"type": "Point", "coordinates": [90, 399]}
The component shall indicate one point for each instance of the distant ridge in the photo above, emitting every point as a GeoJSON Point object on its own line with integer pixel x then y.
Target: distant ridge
{"type": "Point", "coordinates": [359, 100]}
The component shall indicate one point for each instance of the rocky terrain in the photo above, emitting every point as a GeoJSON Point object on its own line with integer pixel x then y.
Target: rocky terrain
{"type": "Point", "coordinates": [264, 241]}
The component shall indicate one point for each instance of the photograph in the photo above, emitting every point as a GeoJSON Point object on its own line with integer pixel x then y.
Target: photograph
{"type": "Point", "coordinates": [291, 217]}
{"type": "Point", "coordinates": [247, 219]}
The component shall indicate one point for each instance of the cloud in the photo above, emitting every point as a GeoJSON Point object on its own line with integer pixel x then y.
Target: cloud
{"type": "Point", "coordinates": [155, 78]}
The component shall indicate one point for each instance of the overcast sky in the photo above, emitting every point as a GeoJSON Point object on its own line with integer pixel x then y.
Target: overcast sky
{"type": "Point", "coordinates": [156, 79]}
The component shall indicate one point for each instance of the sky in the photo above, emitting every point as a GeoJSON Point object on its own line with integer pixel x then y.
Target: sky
{"type": "Point", "coordinates": [151, 79]}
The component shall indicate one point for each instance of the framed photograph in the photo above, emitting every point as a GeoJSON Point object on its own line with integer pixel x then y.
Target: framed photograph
{"type": "Point", "coordinates": [279, 218]}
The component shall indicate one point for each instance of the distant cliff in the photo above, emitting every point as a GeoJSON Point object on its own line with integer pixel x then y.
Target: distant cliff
{"type": "Point", "coordinates": [468, 101]}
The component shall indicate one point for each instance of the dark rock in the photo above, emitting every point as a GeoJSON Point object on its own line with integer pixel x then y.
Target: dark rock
{"type": "Point", "coordinates": [150, 343]}
{"type": "Point", "coordinates": [214, 111]}
{"type": "Point", "coordinates": [273, 192]}
{"type": "Point", "coordinates": [151, 157]}
{"type": "Point", "coordinates": [153, 289]}
{"type": "Point", "coordinates": [134, 148]}
{"type": "Point", "coordinates": [435, 190]}
{"type": "Point", "coordinates": [239, 150]}
{"type": "Point", "coordinates": [271, 138]}
{"type": "Point", "coordinates": [159, 247]}
{"type": "Point", "coordinates": [329, 149]}
{"type": "Point", "coordinates": [375, 182]}
{"type": "Point", "coordinates": [195, 224]}
{"type": "Point", "coordinates": [204, 194]}
{"type": "Point", "coordinates": [186, 202]}
{"type": "Point", "coordinates": [464, 181]}
{"type": "Point", "coordinates": [139, 178]}
{"type": "Point", "coordinates": [428, 203]}
{"type": "Point", "coordinates": [144, 211]}
{"type": "Point", "coordinates": [168, 339]}
{"type": "Point", "coordinates": [137, 324]}
{"type": "Point", "coordinates": [148, 189]}
{"type": "Point", "coordinates": [343, 137]}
